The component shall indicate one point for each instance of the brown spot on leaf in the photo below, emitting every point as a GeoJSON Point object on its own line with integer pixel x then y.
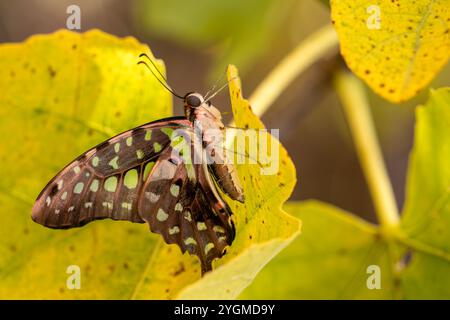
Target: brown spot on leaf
{"type": "Point", "coordinates": [51, 72]}
{"type": "Point", "coordinates": [179, 270]}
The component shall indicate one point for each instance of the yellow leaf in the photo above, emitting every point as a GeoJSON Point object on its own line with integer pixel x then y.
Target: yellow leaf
{"type": "Point", "coordinates": [60, 95]}
{"type": "Point", "coordinates": [64, 93]}
{"type": "Point", "coordinates": [262, 229]}
{"type": "Point", "coordinates": [395, 46]}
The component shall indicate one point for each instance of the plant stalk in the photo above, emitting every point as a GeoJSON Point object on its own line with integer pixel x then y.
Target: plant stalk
{"type": "Point", "coordinates": [357, 110]}
{"type": "Point", "coordinates": [304, 55]}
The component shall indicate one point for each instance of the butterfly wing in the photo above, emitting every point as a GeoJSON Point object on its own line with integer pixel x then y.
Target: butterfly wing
{"type": "Point", "coordinates": [105, 182]}
{"type": "Point", "coordinates": [181, 203]}
{"type": "Point", "coordinates": [141, 176]}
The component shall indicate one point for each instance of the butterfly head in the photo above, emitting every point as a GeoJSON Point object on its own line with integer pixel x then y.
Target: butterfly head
{"type": "Point", "coordinates": [193, 100]}
{"type": "Point", "coordinates": [197, 108]}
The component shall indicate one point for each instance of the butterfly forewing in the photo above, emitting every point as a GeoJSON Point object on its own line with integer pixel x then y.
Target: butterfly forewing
{"type": "Point", "coordinates": [105, 182]}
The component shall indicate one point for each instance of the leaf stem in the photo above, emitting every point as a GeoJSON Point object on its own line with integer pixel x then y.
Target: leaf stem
{"type": "Point", "coordinates": [423, 247]}
{"type": "Point", "coordinates": [306, 53]}
{"type": "Point", "coordinates": [357, 111]}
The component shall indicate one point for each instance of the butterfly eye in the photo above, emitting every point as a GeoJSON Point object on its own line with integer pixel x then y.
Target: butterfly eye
{"type": "Point", "coordinates": [194, 100]}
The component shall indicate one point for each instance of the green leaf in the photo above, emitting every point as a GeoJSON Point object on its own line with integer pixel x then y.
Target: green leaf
{"type": "Point", "coordinates": [396, 47]}
{"type": "Point", "coordinates": [332, 254]}
{"type": "Point", "coordinates": [328, 261]}
{"type": "Point", "coordinates": [64, 93]}
{"type": "Point", "coordinates": [426, 217]}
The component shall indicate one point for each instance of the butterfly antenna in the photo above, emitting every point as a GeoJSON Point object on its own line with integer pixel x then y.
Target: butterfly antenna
{"type": "Point", "coordinates": [220, 89]}
{"type": "Point", "coordinates": [164, 84]}
{"type": "Point", "coordinates": [214, 85]}
{"type": "Point", "coordinates": [153, 64]}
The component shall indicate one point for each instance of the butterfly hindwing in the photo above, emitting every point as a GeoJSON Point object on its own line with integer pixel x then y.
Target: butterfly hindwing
{"type": "Point", "coordinates": [105, 182]}
{"type": "Point", "coordinates": [180, 202]}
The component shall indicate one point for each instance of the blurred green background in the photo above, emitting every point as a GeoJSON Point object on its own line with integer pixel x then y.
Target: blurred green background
{"type": "Point", "coordinates": [197, 39]}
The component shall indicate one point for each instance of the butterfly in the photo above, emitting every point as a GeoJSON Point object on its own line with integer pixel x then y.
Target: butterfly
{"type": "Point", "coordinates": [149, 175]}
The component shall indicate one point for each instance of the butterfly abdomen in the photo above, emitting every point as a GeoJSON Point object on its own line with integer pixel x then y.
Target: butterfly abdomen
{"type": "Point", "coordinates": [213, 141]}
{"type": "Point", "coordinates": [228, 181]}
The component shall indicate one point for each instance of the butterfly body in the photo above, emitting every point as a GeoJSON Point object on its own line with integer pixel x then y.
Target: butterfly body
{"type": "Point", "coordinates": [209, 120]}
{"type": "Point", "coordinates": [149, 174]}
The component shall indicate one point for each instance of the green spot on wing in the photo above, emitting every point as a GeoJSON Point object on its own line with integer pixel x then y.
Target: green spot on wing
{"type": "Point", "coordinates": [178, 142]}
{"type": "Point", "coordinates": [113, 163]}
{"type": "Point", "coordinates": [131, 179]}
{"type": "Point", "coordinates": [148, 168]}
{"type": "Point", "coordinates": [148, 135]}
{"type": "Point", "coordinates": [117, 147]}
{"type": "Point", "coordinates": [94, 185]}
{"type": "Point", "coordinates": [167, 131]}
{"type": "Point", "coordinates": [157, 147]}
{"type": "Point", "coordinates": [140, 154]}
{"type": "Point", "coordinates": [161, 215]}
{"type": "Point", "coordinates": [111, 184]}
{"type": "Point", "coordinates": [174, 190]}
{"type": "Point", "coordinates": [78, 188]}
{"type": "Point", "coordinates": [208, 247]}
{"type": "Point", "coordinates": [129, 141]}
